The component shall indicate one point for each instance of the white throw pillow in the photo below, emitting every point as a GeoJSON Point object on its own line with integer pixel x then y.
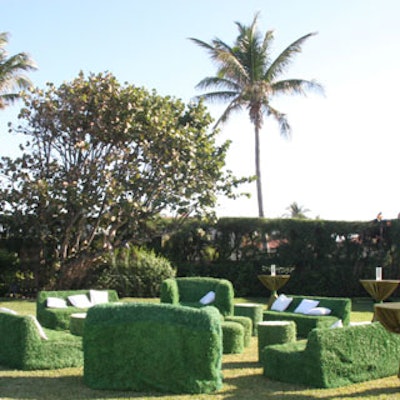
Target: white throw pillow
{"type": "Point", "coordinates": [208, 298]}
{"type": "Point", "coordinates": [56, 302]}
{"type": "Point", "coordinates": [8, 311]}
{"type": "Point", "coordinates": [39, 328]}
{"type": "Point", "coordinates": [319, 311]}
{"type": "Point", "coordinates": [305, 306]}
{"type": "Point", "coordinates": [98, 296]}
{"type": "Point", "coordinates": [79, 301]}
{"type": "Point", "coordinates": [337, 324]}
{"type": "Point", "coordinates": [281, 303]}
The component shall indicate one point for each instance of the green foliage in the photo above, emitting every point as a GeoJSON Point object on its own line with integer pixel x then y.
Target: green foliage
{"type": "Point", "coordinates": [324, 258]}
{"type": "Point", "coordinates": [9, 263]}
{"type": "Point", "coordinates": [157, 347]}
{"type": "Point", "coordinates": [22, 348]}
{"type": "Point", "coordinates": [101, 162]}
{"type": "Point", "coordinates": [335, 357]}
{"type": "Point", "coordinates": [135, 271]}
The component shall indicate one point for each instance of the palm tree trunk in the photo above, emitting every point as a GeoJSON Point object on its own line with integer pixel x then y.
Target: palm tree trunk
{"type": "Point", "coordinates": [258, 172]}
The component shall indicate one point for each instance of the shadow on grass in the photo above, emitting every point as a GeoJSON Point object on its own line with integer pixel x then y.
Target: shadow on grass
{"type": "Point", "coordinates": [257, 387]}
{"type": "Point", "coordinates": [69, 387]}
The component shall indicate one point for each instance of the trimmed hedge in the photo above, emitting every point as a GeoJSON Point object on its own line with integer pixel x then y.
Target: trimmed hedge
{"type": "Point", "coordinates": [21, 346]}
{"type": "Point", "coordinates": [59, 318]}
{"type": "Point", "coordinates": [143, 346]}
{"type": "Point", "coordinates": [188, 291]}
{"type": "Point", "coordinates": [335, 357]}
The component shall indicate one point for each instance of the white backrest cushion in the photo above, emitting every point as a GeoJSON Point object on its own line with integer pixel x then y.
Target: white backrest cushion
{"type": "Point", "coordinates": [39, 328]}
{"type": "Point", "coordinates": [56, 302]}
{"type": "Point", "coordinates": [8, 310]}
{"type": "Point", "coordinates": [306, 305]}
{"type": "Point", "coordinates": [98, 296]}
{"type": "Point", "coordinates": [208, 298]}
{"type": "Point", "coordinates": [79, 301]}
{"type": "Point", "coordinates": [281, 303]}
{"type": "Point", "coordinates": [337, 324]}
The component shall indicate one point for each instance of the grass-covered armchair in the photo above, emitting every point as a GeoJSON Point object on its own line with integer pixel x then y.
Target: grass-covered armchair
{"type": "Point", "coordinates": [22, 347]}
{"type": "Point", "coordinates": [189, 292]}
{"type": "Point", "coordinates": [59, 318]}
{"type": "Point", "coordinates": [161, 347]}
{"type": "Point", "coordinates": [335, 357]}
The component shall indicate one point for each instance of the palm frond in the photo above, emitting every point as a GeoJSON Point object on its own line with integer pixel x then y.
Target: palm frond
{"type": "Point", "coordinates": [284, 59]}
{"type": "Point", "coordinates": [297, 86]}
{"type": "Point", "coordinates": [284, 126]}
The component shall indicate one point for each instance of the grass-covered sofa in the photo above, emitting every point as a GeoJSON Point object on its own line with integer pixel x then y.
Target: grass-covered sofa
{"type": "Point", "coordinates": [189, 291]}
{"type": "Point", "coordinates": [22, 347]}
{"type": "Point", "coordinates": [335, 357]}
{"type": "Point", "coordinates": [340, 310]}
{"type": "Point", "coordinates": [160, 347]}
{"type": "Point", "coordinates": [59, 318]}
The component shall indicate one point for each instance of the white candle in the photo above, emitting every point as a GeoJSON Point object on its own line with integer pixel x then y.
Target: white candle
{"type": "Point", "coordinates": [378, 273]}
{"type": "Point", "coordinates": [273, 270]}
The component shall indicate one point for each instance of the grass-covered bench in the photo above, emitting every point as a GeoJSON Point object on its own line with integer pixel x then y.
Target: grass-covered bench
{"type": "Point", "coordinates": [22, 347]}
{"type": "Point", "coordinates": [161, 347]}
{"type": "Point", "coordinates": [335, 357]}
{"type": "Point", "coordinates": [340, 310]}
{"type": "Point", "coordinates": [59, 318]}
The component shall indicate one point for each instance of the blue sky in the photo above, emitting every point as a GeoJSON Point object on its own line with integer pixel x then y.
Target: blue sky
{"type": "Point", "coordinates": [343, 159]}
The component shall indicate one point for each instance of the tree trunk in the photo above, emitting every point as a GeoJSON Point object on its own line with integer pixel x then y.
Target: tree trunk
{"type": "Point", "coordinates": [258, 172]}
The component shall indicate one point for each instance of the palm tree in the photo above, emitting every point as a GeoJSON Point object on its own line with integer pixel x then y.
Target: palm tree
{"type": "Point", "coordinates": [11, 77]}
{"type": "Point", "coordinates": [297, 211]}
{"type": "Point", "coordinates": [247, 77]}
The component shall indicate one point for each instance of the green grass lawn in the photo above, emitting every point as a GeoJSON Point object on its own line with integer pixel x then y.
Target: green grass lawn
{"type": "Point", "coordinates": [243, 377]}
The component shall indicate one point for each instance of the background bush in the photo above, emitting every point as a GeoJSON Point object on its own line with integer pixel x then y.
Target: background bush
{"type": "Point", "coordinates": [135, 271]}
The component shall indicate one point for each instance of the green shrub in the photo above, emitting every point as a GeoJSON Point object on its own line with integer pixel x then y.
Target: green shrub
{"type": "Point", "coordinates": [135, 271]}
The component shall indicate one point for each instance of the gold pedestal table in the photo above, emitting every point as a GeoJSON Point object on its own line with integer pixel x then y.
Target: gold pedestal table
{"type": "Point", "coordinates": [273, 283]}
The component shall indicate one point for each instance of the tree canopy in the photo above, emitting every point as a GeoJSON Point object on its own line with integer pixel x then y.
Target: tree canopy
{"type": "Point", "coordinates": [102, 160]}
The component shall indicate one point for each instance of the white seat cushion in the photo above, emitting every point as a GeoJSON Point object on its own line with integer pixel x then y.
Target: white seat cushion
{"type": "Point", "coordinates": [319, 311]}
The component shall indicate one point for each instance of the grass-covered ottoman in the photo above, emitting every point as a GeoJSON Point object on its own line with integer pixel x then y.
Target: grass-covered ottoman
{"type": "Point", "coordinates": [153, 347]}
{"type": "Point", "coordinates": [275, 332]}
{"type": "Point", "coordinates": [251, 310]}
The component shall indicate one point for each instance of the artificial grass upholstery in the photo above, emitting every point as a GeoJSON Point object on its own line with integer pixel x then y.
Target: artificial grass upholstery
{"type": "Point", "coordinates": [22, 348]}
{"type": "Point", "coordinates": [143, 346]}
{"type": "Point", "coordinates": [340, 306]}
{"type": "Point", "coordinates": [188, 291]}
{"type": "Point", "coordinates": [59, 318]}
{"type": "Point", "coordinates": [335, 357]}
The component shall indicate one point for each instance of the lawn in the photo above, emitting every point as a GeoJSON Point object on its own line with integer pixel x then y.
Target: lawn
{"type": "Point", "coordinates": [243, 377]}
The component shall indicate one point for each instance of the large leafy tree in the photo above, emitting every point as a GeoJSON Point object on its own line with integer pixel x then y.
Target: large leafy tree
{"type": "Point", "coordinates": [248, 77]}
{"type": "Point", "coordinates": [101, 162]}
{"type": "Point", "coordinates": [12, 69]}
